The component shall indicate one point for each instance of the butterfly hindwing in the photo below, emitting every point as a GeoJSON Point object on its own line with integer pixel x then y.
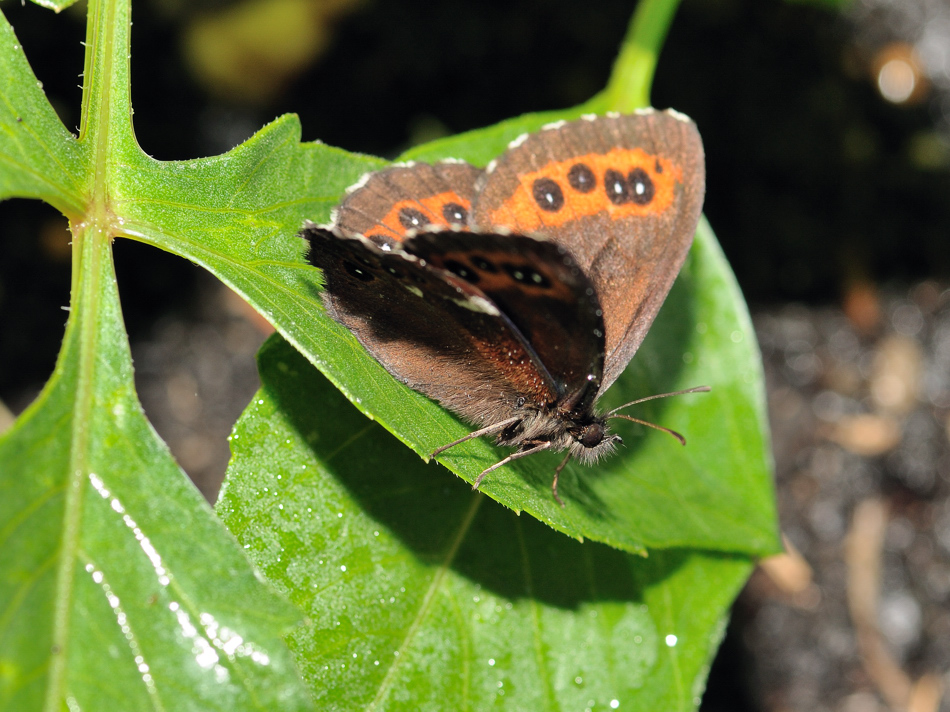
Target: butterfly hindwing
{"type": "Point", "coordinates": [622, 193]}
{"type": "Point", "coordinates": [538, 286]}
{"type": "Point", "coordinates": [429, 328]}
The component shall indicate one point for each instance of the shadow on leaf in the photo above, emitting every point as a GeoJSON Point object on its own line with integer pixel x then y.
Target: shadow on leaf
{"type": "Point", "coordinates": [436, 515]}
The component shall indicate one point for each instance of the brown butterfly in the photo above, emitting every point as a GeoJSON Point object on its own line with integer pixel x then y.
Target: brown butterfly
{"type": "Point", "coordinates": [516, 295]}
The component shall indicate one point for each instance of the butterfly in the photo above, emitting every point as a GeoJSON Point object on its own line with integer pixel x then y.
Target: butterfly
{"type": "Point", "coordinates": [516, 295]}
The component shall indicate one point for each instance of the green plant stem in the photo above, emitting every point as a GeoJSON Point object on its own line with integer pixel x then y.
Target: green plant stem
{"type": "Point", "coordinates": [632, 77]}
{"type": "Point", "coordinates": [83, 305]}
{"type": "Point", "coordinates": [92, 267]}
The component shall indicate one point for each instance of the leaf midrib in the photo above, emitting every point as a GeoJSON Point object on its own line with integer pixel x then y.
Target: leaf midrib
{"type": "Point", "coordinates": [92, 244]}
{"type": "Point", "coordinates": [434, 586]}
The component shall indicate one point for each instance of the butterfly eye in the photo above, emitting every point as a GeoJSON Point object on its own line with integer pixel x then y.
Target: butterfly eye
{"type": "Point", "coordinates": [454, 213]}
{"type": "Point", "coordinates": [592, 435]}
{"type": "Point", "coordinates": [412, 219]}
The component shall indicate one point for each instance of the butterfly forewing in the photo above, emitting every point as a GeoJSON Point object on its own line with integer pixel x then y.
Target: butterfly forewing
{"type": "Point", "coordinates": [539, 287]}
{"type": "Point", "coordinates": [622, 193]}
{"type": "Point", "coordinates": [429, 328]}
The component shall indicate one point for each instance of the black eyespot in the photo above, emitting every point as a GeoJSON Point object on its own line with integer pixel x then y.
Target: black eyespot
{"type": "Point", "coordinates": [641, 186]}
{"type": "Point", "coordinates": [581, 178]}
{"type": "Point", "coordinates": [412, 219]}
{"type": "Point", "coordinates": [616, 187]}
{"type": "Point", "coordinates": [483, 264]}
{"type": "Point", "coordinates": [454, 213]}
{"type": "Point", "coordinates": [521, 401]}
{"type": "Point", "coordinates": [548, 195]}
{"type": "Point", "coordinates": [457, 268]}
{"type": "Point", "coordinates": [358, 272]}
{"type": "Point", "coordinates": [525, 274]}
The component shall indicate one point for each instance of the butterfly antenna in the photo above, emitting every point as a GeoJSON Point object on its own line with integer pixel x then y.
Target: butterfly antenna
{"type": "Point", "coordinates": [697, 389]}
{"type": "Point", "coordinates": [651, 425]}
{"type": "Point", "coordinates": [614, 414]}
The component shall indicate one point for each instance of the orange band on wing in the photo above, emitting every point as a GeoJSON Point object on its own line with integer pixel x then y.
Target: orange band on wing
{"type": "Point", "coordinates": [622, 183]}
{"type": "Point", "coordinates": [447, 209]}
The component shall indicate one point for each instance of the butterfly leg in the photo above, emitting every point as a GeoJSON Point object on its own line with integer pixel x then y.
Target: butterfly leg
{"type": "Point", "coordinates": [477, 434]}
{"type": "Point", "coordinates": [514, 456]}
{"type": "Point", "coordinates": [557, 473]}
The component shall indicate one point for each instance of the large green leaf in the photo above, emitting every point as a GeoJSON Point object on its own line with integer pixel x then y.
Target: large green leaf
{"type": "Point", "coordinates": [423, 595]}
{"type": "Point", "coordinates": [100, 533]}
{"type": "Point", "coordinates": [119, 588]}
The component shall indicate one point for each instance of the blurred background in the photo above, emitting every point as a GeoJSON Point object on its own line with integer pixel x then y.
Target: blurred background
{"type": "Point", "coordinates": [827, 131]}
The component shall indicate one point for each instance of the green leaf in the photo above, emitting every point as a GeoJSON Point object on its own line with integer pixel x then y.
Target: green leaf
{"type": "Point", "coordinates": [112, 560]}
{"type": "Point", "coordinates": [238, 215]}
{"type": "Point", "coordinates": [423, 595]}
{"type": "Point", "coordinates": [55, 5]}
{"type": "Point", "coordinates": [119, 589]}
{"type": "Point", "coordinates": [39, 158]}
